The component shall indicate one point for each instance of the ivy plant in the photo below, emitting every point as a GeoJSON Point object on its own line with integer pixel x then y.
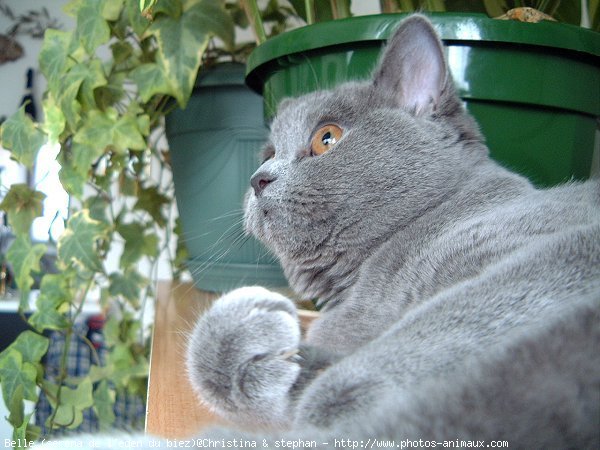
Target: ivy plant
{"type": "Point", "coordinates": [110, 81]}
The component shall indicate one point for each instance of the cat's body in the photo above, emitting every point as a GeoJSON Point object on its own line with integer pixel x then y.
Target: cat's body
{"type": "Point", "coordinates": [459, 301]}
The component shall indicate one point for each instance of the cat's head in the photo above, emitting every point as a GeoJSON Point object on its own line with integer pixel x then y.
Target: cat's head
{"type": "Point", "coordinates": [346, 168]}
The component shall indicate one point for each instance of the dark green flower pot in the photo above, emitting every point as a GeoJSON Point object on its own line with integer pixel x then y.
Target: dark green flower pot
{"type": "Point", "coordinates": [214, 145]}
{"type": "Point", "coordinates": [533, 88]}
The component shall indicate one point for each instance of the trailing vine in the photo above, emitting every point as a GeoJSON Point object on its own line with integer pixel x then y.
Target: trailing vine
{"type": "Point", "coordinates": [111, 80]}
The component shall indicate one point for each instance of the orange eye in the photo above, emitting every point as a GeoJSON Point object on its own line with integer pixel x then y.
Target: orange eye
{"type": "Point", "coordinates": [325, 138]}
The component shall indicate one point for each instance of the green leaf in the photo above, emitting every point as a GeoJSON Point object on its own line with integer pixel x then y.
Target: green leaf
{"type": "Point", "coordinates": [67, 99]}
{"type": "Point", "coordinates": [151, 79]}
{"type": "Point", "coordinates": [104, 401]}
{"type": "Point", "coordinates": [127, 285]}
{"type": "Point", "coordinates": [73, 401]}
{"type": "Point", "coordinates": [213, 17]}
{"type": "Point", "coordinates": [112, 93]}
{"type": "Point", "coordinates": [52, 303]}
{"type": "Point", "coordinates": [48, 319]}
{"type": "Point", "coordinates": [22, 137]}
{"type": "Point", "coordinates": [26, 432]}
{"type": "Point", "coordinates": [121, 51]}
{"type": "Point", "coordinates": [92, 75]}
{"type": "Point", "coordinates": [137, 243]}
{"type": "Point", "coordinates": [72, 178]}
{"type": "Point", "coordinates": [169, 7]}
{"type": "Point", "coordinates": [78, 242]}
{"type": "Point", "coordinates": [31, 346]}
{"type": "Point", "coordinates": [17, 408]}
{"type": "Point", "coordinates": [22, 205]}
{"type": "Point", "coordinates": [71, 7]}
{"type": "Point", "coordinates": [145, 4]}
{"type": "Point", "coordinates": [152, 201]}
{"type": "Point", "coordinates": [55, 58]}
{"type": "Point", "coordinates": [92, 30]}
{"type": "Point", "coordinates": [112, 9]}
{"type": "Point", "coordinates": [54, 119]}
{"type": "Point", "coordinates": [24, 259]}
{"type": "Point", "coordinates": [77, 89]}
{"type": "Point", "coordinates": [14, 373]}
{"type": "Point", "coordinates": [182, 42]}
{"type": "Point", "coordinates": [106, 129]}
{"type": "Point", "coordinates": [126, 367]}
{"type": "Point", "coordinates": [138, 21]}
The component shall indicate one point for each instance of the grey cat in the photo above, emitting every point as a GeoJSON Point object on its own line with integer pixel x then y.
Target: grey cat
{"type": "Point", "coordinates": [459, 303]}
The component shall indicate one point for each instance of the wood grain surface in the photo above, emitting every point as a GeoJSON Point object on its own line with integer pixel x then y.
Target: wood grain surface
{"type": "Point", "coordinates": [173, 410]}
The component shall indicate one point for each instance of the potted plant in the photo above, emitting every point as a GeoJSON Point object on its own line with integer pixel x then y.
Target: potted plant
{"type": "Point", "coordinates": [534, 88]}
{"type": "Point", "coordinates": [110, 84]}
{"type": "Point", "coordinates": [214, 144]}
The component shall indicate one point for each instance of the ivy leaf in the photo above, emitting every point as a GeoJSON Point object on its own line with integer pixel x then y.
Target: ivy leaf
{"type": "Point", "coordinates": [54, 119]}
{"type": "Point", "coordinates": [111, 93]}
{"type": "Point", "coordinates": [48, 319]}
{"type": "Point", "coordinates": [92, 30]}
{"type": "Point", "coordinates": [78, 242]}
{"type": "Point", "coordinates": [31, 346]}
{"type": "Point", "coordinates": [183, 40]}
{"type": "Point", "coordinates": [77, 89]}
{"type": "Point", "coordinates": [93, 77]}
{"type": "Point", "coordinates": [67, 99]}
{"type": "Point", "coordinates": [22, 137]}
{"type": "Point", "coordinates": [54, 298]}
{"type": "Point", "coordinates": [73, 401]}
{"type": "Point", "coordinates": [137, 243]}
{"type": "Point", "coordinates": [138, 21]}
{"type": "Point", "coordinates": [72, 178]}
{"type": "Point", "coordinates": [54, 57]}
{"type": "Point", "coordinates": [125, 365]}
{"type": "Point", "coordinates": [24, 259]}
{"type": "Point", "coordinates": [213, 17]}
{"type": "Point", "coordinates": [112, 9]}
{"type": "Point", "coordinates": [151, 79]}
{"type": "Point", "coordinates": [104, 401]}
{"type": "Point", "coordinates": [22, 205]}
{"type": "Point", "coordinates": [16, 407]}
{"type": "Point", "coordinates": [127, 285]}
{"type": "Point", "coordinates": [14, 373]}
{"type": "Point", "coordinates": [121, 51]}
{"type": "Point", "coordinates": [107, 129]}
{"type": "Point", "coordinates": [152, 201]}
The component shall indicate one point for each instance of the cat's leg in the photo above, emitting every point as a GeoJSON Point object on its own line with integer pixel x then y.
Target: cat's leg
{"type": "Point", "coordinates": [246, 360]}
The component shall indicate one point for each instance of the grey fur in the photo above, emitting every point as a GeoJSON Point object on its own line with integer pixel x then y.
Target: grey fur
{"type": "Point", "coordinates": [459, 301]}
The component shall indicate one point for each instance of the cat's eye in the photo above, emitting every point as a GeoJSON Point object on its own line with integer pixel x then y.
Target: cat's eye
{"type": "Point", "coordinates": [267, 154]}
{"type": "Point", "coordinates": [325, 138]}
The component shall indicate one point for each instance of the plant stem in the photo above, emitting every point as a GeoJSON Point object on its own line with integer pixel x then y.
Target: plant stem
{"type": "Point", "coordinates": [407, 6]}
{"type": "Point", "coordinates": [585, 16]}
{"type": "Point", "coordinates": [388, 6]}
{"type": "Point", "coordinates": [340, 9]}
{"type": "Point", "coordinates": [309, 5]}
{"type": "Point", "coordinates": [255, 20]}
{"type": "Point", "coordinates": [63, 371]}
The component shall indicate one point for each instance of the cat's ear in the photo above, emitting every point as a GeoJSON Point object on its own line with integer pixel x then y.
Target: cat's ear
{"type": "Point", "coordinates": [413, 69]}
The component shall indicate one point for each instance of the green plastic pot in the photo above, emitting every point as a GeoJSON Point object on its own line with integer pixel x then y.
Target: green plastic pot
{"type": "Point", "coordinates": [214, 144]}
{"type": "Point", "coordinates": [533, 88]}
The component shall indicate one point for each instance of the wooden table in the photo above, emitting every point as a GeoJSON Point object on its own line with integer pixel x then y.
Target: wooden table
{"type": "Point", "coordinates": [173, 410]}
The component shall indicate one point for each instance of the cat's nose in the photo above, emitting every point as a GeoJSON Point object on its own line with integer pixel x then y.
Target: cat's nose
{"type": "Point", "coordinates": [260, 181]}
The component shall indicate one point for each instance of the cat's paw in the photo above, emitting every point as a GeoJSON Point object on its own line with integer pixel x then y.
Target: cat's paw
{"type": "Point", "coordinates": [241, 355]}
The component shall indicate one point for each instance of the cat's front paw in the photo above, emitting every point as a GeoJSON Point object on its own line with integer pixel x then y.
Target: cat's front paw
{"type": "Point", "coordinates": [241, 355]}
